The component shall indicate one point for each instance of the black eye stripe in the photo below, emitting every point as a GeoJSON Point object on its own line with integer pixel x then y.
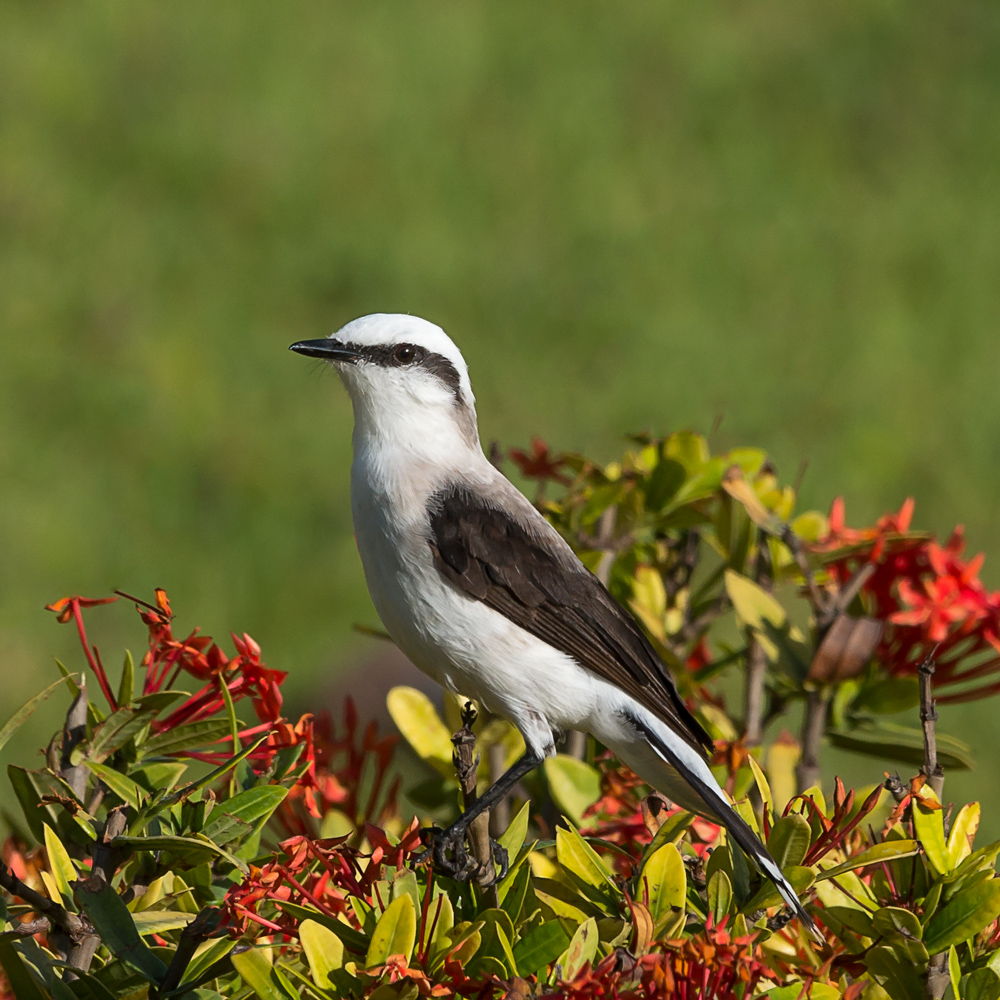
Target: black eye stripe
{"type": "Point", "coordinates": [388, 356]}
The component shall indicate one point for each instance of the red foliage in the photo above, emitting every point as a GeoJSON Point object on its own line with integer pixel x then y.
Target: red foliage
{"type": "Point", "coordinates": [541, 464]}
{"type": "Point", "coordinates": [928, 596]}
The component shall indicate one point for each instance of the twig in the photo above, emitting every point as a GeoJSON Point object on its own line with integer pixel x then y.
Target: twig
{"type": "Point", "coordinates": [107, 859]}
{"type": "Point", "coordinates": [753, 695]}
{"type": "Point", "coordinates": [202, 927]}
{"type": "Point", "coordinates": [466, 764]}
{"type": "Point", "coordinates": [928, 717]}
{"type": "Point", "coordinates": [500, 813]}
{"type": "Point", "coordinates": [74, 731]}
{"type": "Point", "coordinates": [807, 772]}
{"type": "Point", "coordinates": [816, 598]}
{"type": "Point", "coordinates": [937, 967]}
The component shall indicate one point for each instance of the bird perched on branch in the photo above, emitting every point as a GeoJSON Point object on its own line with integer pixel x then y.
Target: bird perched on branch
{"type": "Point", "coordinates": [486, 597]}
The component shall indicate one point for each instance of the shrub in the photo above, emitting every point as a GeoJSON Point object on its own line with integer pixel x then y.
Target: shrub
{"type": "Point", "coordinates": [185, 839]}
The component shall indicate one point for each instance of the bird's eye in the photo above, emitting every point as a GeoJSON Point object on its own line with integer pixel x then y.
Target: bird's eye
{"type": "Point", "coordinates": [405, 353]}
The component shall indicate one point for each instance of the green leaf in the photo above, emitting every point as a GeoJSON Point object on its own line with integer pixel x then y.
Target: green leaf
{"type": "Point", "coordinates": [888, 741]}
{"type": "Point", "coordinates": [542, 945]}
{"type": "Point", "coordinates": [25, 988]}
{"type": "Point", "coordinates": [895, 920]}
{"type": "Point", "coordinates": [895, 972]}
{"type": "Point", "coordinates": [126, 687]}
{"type": "Point", "coordinates": [14, 723]}
{"type": "Point", "coordinates": [159, 921]}
{"type": "Point", "coordinates": [671, 830]}
{"type": "Point", "coordinates": [116, 731]}
{"type": "Point", "coordinates": [574, 785]}
{"type": "Point", "coordinates": [512, 839]}
{"type": "Point", "coordinates": [582, 949]}
{"type": "Point", "coordinates": [417, 719]}
{"type": "Point", "coordinates": [754, 606]}
{"type": "Point", "coordinates": [580, 859]}
{"type": "Point", "coordinates": [29, 795]}
{"type": "Point", "coordinates": [440, 922]}
{"type": "Point", "coordinates": [192, 849]}
{"type": "Point", "coordinates": [789, 840]}
{"type": "Point", "coordinates": [664, 482]}
{"type": "Point", "coordinates": [888, 695]}
{"type": "Point", "coordinates": [63, 870]}
{"type": "Point", "coordinates": [800, 878]}
{"type": "Point", "coordinates": [720, 896]}
{"type": "Point", "coordinates": [258, 974]}
{"type": "Point", "coordinates": [763, 786]}
{"type": "Point", "coordinates": [963, 830]}
{"type": "Point", "coordinates": [186, 737]}
{"type": "Point", "coordinates": [395, 933]}
{"type": "Point", "coordinates": [124, 787]}
{"type": "Point", "coordinates": [929, 826]}
{"type": "Point", "coordinates": [111, 919]}
{"type": "Point", "coordinates": [965, 915]}
{"type": "Point", "coordinates": [890, 850]}
{"type": "Point", "coordinates": [664, 877]}
{"type": "Point", "coordinates": [353, 939]}
{"type": "Point", "coordinates": [324, 950]}
{"type": "Point", "coordinates": [954, 971]}
{"type": "Point", "coordinates": [982, 984]}
{"type": "Point", "coordinates": [243, 813]}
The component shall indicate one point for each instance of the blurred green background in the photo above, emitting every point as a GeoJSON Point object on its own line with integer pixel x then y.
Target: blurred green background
{"type": "Point", "coordinates": [629, 216]}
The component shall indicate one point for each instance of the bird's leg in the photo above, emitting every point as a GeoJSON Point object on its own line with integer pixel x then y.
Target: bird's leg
{"type": "Point", "coordinates": [452, 841]}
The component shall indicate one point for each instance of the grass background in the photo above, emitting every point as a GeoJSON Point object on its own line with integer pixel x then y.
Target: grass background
{"type": "Point", "coordinates": [639, 216]}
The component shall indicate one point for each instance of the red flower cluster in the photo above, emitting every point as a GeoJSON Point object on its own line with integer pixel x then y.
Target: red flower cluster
{"type": "Point", "coordinates": [928, 596]}
{"type": "Point", "coordinates": [315, 873]}
{"type": "Point", "coordinates": [243, 676]}
{"type": "Point", "coordinates": [713, 965]}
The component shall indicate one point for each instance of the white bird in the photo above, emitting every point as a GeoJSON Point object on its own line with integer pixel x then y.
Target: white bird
{"type": "Point", "coordinates": [486, 597]}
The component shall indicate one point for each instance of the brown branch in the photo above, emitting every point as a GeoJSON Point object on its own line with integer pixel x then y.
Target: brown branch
{"type": "Point", "coordinates": [807, 772]}
{"type": "Point", "coordinates": [932, 770]}
{"type": "Point", "coordinates": [937, 968]}
{"type": "Point", "coordinates": [107, 859]}
{"type": "Point", "coordinates": [466, 765]}
{"type": "Point", "coordinates": [816, 596]}
{"type": "Point", "coordinates": [74, 731]}
{"type": "Point", "coordinates": [500, 813]}
{"type": "Point", "coordinates": [72, 924]}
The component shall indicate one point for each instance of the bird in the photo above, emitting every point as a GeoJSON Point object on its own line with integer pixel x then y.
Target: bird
{"type": "Point", "coordinates": [487, 598]}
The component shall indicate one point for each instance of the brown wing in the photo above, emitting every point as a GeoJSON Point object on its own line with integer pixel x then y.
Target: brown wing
{"type": "Point", "coordinates": [497, 558]}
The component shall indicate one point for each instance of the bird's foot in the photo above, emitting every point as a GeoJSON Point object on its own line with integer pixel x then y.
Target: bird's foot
{"type": "Point", "coordinates": [447, 851]}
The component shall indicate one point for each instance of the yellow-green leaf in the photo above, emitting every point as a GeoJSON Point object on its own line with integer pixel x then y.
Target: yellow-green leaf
{"type": "Point", "coordinates": [963, 832]}
{"type": "Point", "coordinates": [578, 857]}
{"type": "Point", "coordinates": [512, 839]}
{"type": "Point", "coordinates": [665, 879]}
{"type": "Point", "coordinates": [324, 950]}
{"type": "Point", "coordinates": [929, 826]}
{"type": "Point", "coordinates": [63, 869]}
{"type": "Point", "coordinates": [258, 974]}
{"type": "Point", "coordinates": [954, 970]}
{"type": "Point", "coordinates": [158, 921]}
{"type": "Point", "coordinates": [582, 949]}
{"type": "Point", "coordinates": [754, 605]}
{"type": "Point", "coordinates": [417, 719]}
{"type": "Point", "coordinates": [440, 921]}
{"type": "Point", "coordinates": [574, 785]}
{"type": "Point", "coordinates": [890, 850]}
{"type": "Point", "coordinates": [395, 933]}
{"type": "Point", "coordinates": [763, 787]}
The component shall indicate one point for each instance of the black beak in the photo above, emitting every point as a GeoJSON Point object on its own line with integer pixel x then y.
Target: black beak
{"type": "Point", "coordinates": [327, 350]}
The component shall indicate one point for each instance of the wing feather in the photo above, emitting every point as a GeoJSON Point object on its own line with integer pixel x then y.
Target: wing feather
{"type": "Point", "coordinates": [521, 568]}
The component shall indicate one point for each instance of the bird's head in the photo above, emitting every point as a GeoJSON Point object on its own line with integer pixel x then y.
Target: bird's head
{"type": "Point", "coordinates": [406, 378]}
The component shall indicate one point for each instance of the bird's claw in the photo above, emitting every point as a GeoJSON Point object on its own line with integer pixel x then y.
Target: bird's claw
{"type": "Point", "coordinates": [447, 851]}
